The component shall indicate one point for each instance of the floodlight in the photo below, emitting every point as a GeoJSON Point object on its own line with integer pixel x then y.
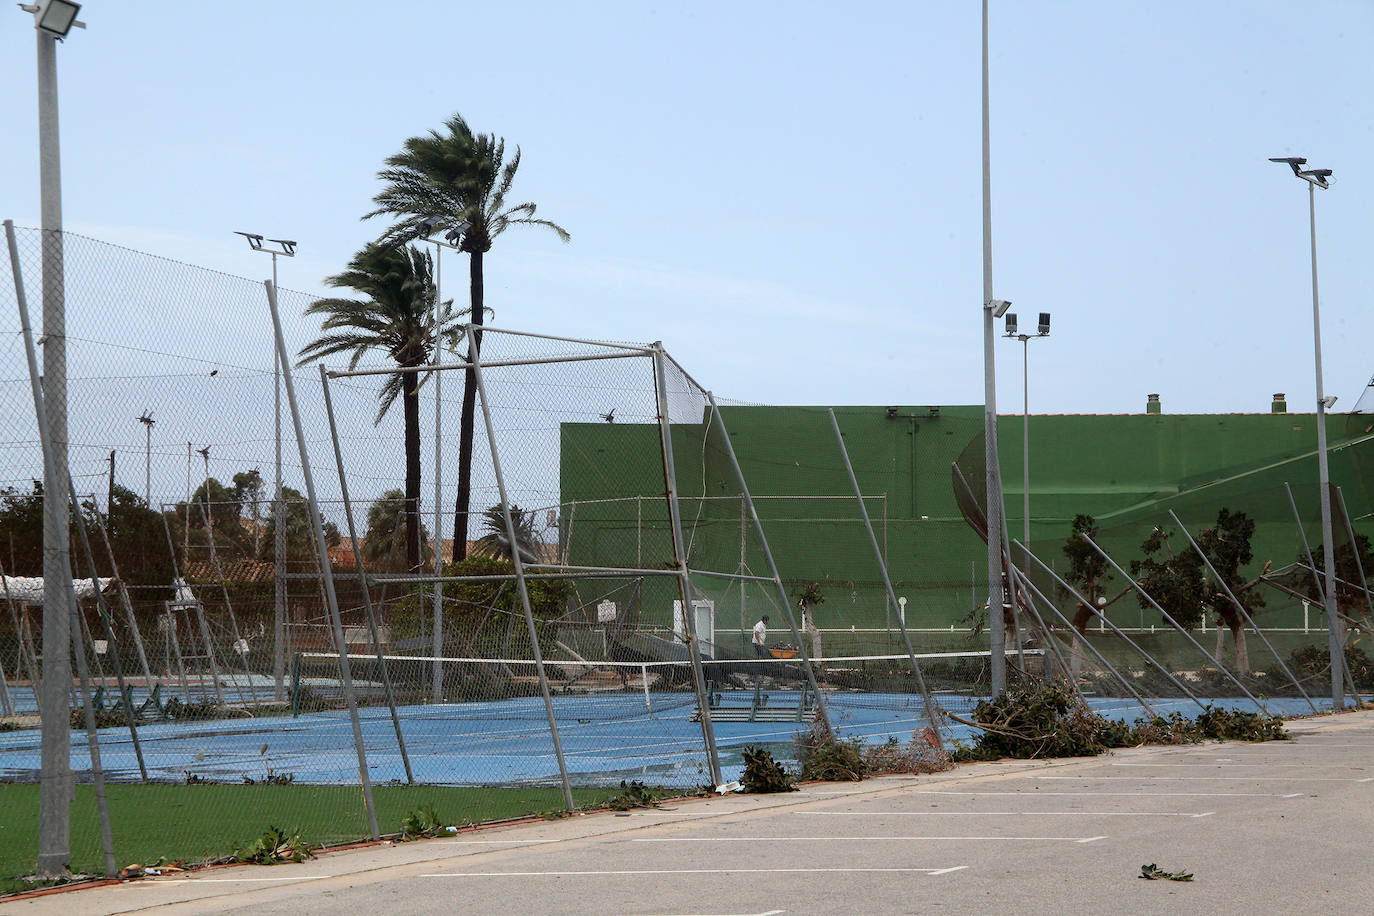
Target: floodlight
{"type": "Point", "coordinates": [456, 233]}
{"type": "Point", "coordinates": [1291, 161]}
{"type": "Point", "coordinates": [1011, 324]}
{"type": "Point", "coordinates": [56, 17]}
{"type": "Point", "coordinates": [1044, 323]}
{"type": "Point", "coordinates": [999, 307]}
{"type": "Point", "coordinates": [1329, 401]}
{"type": "Point", "coordinates": [254, 240]}
{"type": "Point", "coordinates": [427, 225]}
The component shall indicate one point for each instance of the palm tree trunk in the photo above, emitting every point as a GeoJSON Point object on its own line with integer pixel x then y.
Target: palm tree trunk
{"type": "Point", "coordinates": [410, 402]}
{"type": "Point", "coordinates": [462, 503]}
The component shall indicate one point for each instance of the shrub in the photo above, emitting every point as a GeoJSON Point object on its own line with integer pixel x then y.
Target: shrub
{"type": "Point", "coordinates": [824, 756]}
{"type": "Point", "coordinates": [764, 774]}
{"type": "Point", "coordinates": [633, 794]}
{"type": "Point", "coordinates": [922, 754]}
{"type": "Point", "coordinates": [1045, 720]}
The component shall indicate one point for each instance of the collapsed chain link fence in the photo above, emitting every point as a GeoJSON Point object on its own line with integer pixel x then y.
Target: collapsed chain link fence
{"type": "Point", "coordinates": [611, 638]}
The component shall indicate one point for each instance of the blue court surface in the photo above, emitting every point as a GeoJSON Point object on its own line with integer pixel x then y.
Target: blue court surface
{"type": "Point", "coordinates": [506, 742]}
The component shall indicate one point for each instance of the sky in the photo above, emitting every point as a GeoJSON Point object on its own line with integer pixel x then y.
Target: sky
{"type": "Point", "coordinates": [787, 195]}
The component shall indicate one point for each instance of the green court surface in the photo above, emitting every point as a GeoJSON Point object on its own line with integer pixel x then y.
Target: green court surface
{"type": "Point", "coordinates": [200, 822]}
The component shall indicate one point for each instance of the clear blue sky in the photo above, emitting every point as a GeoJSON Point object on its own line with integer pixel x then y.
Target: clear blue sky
{"type": "Point", "coordinates": [788, 195]}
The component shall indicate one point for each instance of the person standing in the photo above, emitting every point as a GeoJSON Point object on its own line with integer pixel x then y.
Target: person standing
{"type": "Point", "coordinates": [760, 634]}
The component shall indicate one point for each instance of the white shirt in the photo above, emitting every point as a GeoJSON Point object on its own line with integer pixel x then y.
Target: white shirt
{"type": "Point", "coordinates": [760, 630]}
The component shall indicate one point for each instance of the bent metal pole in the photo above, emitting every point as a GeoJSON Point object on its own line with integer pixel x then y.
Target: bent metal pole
{"type": "Point", "coordinates": [772, 567]}
{"type": "Point", "coordinates": [1177, 626]}
{"type": "Point", "coordinates": [882, 567]}
{"type": "Point", "coordinates": [1149, 659]}
{"type": "Point", "coordinates": [1245, 615]}
{"type": "Point", "coordinates": [519, 565]}
{"type": "Point", "coordinates": [362, 577]}
{"type": "Point", "coordinates": [322, 547]}
{"type": "Point", "coordinates": [708, 730]}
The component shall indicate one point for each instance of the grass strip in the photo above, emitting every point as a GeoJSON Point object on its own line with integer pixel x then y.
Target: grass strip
{"type": "Point", "coordinates": [197, 823]}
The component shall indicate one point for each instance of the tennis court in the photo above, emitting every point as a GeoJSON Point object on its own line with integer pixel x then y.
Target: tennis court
{"type": "Point", "coordinates": [632, 735]}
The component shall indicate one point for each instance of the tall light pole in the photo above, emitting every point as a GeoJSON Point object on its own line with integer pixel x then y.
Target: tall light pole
{"type": "Point", "coordinates": [992, 308]}
{"type": "Point", "coordinates": [148, 423]}
{"type": "Point", "coordinates": [1043, 330]}
{"type": "Point", "coordinates": [1317, 178]}
{"type": "Point", "coordinates": [455, 233]}
{"type": "Point", "coordinates": [52, 20]}
{"type": "Point", "coordinates": [284, 248]}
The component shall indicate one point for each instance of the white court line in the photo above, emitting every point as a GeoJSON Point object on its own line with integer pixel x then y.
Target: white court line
{"type": "Point", "coordinates": [685, 871]}
{"type": "Point", "coordinates": [767, 913]}
{"type": "Point", "coordinates": [1034, 794]}
{"type": "Point", "coordinates": [873, 814]}
{"type": "Point", "coordinates": [857, 839]}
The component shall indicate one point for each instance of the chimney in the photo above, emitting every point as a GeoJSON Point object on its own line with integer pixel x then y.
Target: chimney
{"type": "Point", "coordinates": [1152, 403]}
{"type": "Point", "coordinates": [1280, 404]}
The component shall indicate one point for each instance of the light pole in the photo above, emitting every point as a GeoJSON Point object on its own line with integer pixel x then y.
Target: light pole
{"type": "Point", "coordinates": [52, 20]}
{"type": "Point", "coordinates": [992, 308]}
{"type": "Point", "coordinates": [452, 237]}
{"type": "Point", "coordinates": [148, 423]}
{"type": "Point", "coordinates": [1043, 330]}
{"type": "Point", "coordinates": [284, 248]}
{"type": "Point", "coordinates": [1317, 178]}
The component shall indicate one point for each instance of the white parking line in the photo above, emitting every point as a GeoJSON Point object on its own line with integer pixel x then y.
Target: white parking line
{"type": "Point", "coordinates": [856, 839]}
{"type": "Point", "coordinates": [873, 814]}
{"type": "Point", "coordinates": [1213, 779]}
{"type": "Point", "coordinates": [158, 882]}
{"type": "Point", "coordinates": [1035, 794]}
{"type": "Point", "coordinates": [688, 871]}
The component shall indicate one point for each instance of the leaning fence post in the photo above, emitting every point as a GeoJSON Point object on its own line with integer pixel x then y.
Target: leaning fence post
{"type": "Point", "coordinates": [322, 546]}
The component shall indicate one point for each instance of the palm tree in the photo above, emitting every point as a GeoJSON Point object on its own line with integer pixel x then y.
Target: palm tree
{"type": "Point", "coordinates": [496, 544]}
{"type": "Point", "coordinates": [449, 178]}
{"type": "Point", "coordinates": [397, 318]}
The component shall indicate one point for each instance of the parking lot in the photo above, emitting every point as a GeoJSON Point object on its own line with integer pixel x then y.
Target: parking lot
{"type": "Point", "coordinates": [1276, 827]}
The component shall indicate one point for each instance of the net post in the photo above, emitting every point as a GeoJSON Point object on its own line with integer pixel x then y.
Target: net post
{"type": "Point", "coordinates": [317, 529]}
{"type": "Point", "coordinates": [362, 575]}
{"type": "Point", "coordinates": [519, 567]}
{"type": "Point", "coordinates": [708, 731]}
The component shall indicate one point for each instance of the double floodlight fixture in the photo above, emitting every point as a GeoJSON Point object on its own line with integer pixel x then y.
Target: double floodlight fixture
{"type": "Point", "coordinates": [1316, 177]}
{"type": "Point", "coordinates": [54, 17]}
{"type": "Point", "coordinates": [1043, 329]}
{"type": "Point", "coordinates": [285, 247]}
{"type": "Point", "coordinates": [997, 306]}
{"type": "Point", "coordinates": [427, 226]}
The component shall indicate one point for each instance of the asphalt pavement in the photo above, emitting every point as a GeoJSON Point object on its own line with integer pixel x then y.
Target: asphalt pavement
{"type": "Point", "coordinates": [1279, 827]}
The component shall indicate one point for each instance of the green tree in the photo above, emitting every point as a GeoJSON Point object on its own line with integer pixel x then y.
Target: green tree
{"type": "Point", "coordinates": [395, 318]}
{"type": "Point", "coordinates": [1174, 581]}
{"type": "Point", "coordinates": [1227, 546]}
{"type": "Point", "coordinates": [1350, 599]}
{"type": "Point", "coordinates": [447, 178]}
{"type": "Point", "coordinates": [300, 540]}
{"type": "Point", "coordinates": [1088, 573]}
{"type": "Point", "coordinates": [21, 530]}
{"type": "Point", "coordinates": [249, 490]}
{"type": "Point", "coordinates": [384, 534]}
{"type": "Point", "coordinates": [137, 539]}
{"type": "Point", "coordinates": [496, 544]}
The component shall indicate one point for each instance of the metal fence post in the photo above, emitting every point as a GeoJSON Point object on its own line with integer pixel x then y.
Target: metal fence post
{"type": "Point", "coordinates": [362, 575]}
{"type": "Point", "coordinates": [518, 563]}
{"type": "Point", "coordinates": [708, 732]}
{"type": "Point", "coordinates": [317, 529]}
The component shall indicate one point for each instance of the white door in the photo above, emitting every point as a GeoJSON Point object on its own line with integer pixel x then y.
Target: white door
{"type": "Point", "coordinates": [704, 618]}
